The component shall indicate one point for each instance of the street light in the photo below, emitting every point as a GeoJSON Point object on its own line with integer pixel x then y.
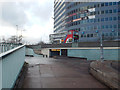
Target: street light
{"type": "Point", "coordinates": [21, 36]}
{"type": "Point", "coordinates": [16, 32]}
{"type": "Point", "coordinates": [101, 46]}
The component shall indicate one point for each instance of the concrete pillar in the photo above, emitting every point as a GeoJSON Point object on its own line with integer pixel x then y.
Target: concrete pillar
{"type": "Point", "coordinates": [60, 52]}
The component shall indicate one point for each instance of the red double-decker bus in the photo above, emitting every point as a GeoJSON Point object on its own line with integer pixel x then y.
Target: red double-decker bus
{"type": "Point", "coordinates": [72, 36]}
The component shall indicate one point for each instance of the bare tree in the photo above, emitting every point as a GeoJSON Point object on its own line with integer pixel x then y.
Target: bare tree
{"type": "Point", "coordinates": [13, 39]}
{"type": "Point", "coordinates": [40, 42]}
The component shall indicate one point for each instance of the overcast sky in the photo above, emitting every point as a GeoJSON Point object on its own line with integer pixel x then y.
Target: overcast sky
{"type": "Point", "coordinates": [35, 16]}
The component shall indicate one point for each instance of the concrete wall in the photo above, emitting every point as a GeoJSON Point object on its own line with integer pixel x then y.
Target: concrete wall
{"type": "Point", "coordinates": [94, 54]}
{"type": "Point", "coordinates": [12, 62]}
{"type": "Point", "coordinates": [45, 51]}
{"type": "Point", "coordinates": [29, 52]}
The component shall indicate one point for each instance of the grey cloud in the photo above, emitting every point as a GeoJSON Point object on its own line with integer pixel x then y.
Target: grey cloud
{"type": "Point", "coordinates": [13, 14]}
{"type": "Point", "coordinates": [43, 12]}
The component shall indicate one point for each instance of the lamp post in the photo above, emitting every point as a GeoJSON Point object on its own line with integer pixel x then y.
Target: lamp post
{"type": "Point", "coordinates": [22, 34]}
{"type": "Point", "coordinates": [16, 33]}
{"type": "Point", "coordinates": [101, 47]}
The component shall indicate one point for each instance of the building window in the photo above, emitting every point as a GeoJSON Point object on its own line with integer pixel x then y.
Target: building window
{"type": "Point", "coordinates": [118, 33]}
{"type": "Point", "coordinates": [102, 19]}
{"type": "Point", "coordinates": [78, 15]}
{"type": "Point", "coordinates": [110, 11]}
{"type": "Point", "coordinates": [106, 4]}
{"type": "Point", "coordinates": [119, 26]}
{"type": "Point", "coordinates": [106, 34]}
{"type": "Point", "coordinates": [103, 34]}
{"type": "Point", "coordinates": [106, 11]}
{"type": "Point", "coordinates": [81, 36]}
{"type": "Point", "coordinates": [91, 6]}
{"type": "Point", "coordinates": [94, 20]}
{"type": "Point", "coordinates": [102, 12]}
{"type": "Point", "coordinates": [98, 12]}
{"type": "Point", "coordinates": [110, 3]}
{"type": "Point", "coordinates": [88, 35]}
{"type": "Point", "coordinates": [106, 26]}
{"type": "Point", "coordinates": [111, 34]}
{"type": "Point", "coordinates": [95, 13]}
{"type": "Point", "coordinates": [84, 35]}
{"type": "Point", "coordinates": [102, 27]}
{"type": "Point", "coordinates": [110, 26]}
{"type": "Point", "coordinates": [81, 21]}
{"type": "Point", "coordinates": [91, 20]}
{"type": "Point", "coordinates": [102, 4]}
{"type": "Point", "coordinates": [115, 26]}
{"type": "Point", "coordinates": [91, 27]}
{"type": "Point", "coordinates": [115, 10]}
{"type": "Point", "coordinates": [75, 23]}
{"type": "Point", "coordinates": [91, 13]}
{"type": "Point", "coordinates": [98, 20]}
{"type": "Point", "coordinates": [114, 18]}
{"type": "Point", "coordinates": [95, 27]}
{"type": "Point", "coordinates": [118, 9]}
{"type": "Point", "coordinates": [119, 3]}
{"type": "Point", "coordinates": [118, 17]}
{"type": "Point", "coordinates": [114, 3]}
{"type": "Point", "coordinates": [98, 27]}
{"type": "Point", "coordinates": [110, 18]}
{"type": "Point", "coordinates": [95, 35]}
{"type": "Point", "coordinates": [82, 28]}
{"type": "Point", "coordinates": [88, 21]}
{"type": "Point", "coordinates": [87, 7]}
{"type": "Point", "coordinates": [94, 6]}
{"type": "Point", "coordinates": [106, 19]}
{"type": "Point", "coordinates": [115, 34]}
{"type": "Point", "coordinates": [98, 5]}
{"type": "Point", "coordinates": [74, 17]}
{"type": "Point", "coordinates": [91, 35]}
{"type": "Point", "coordinates": [88, 28]}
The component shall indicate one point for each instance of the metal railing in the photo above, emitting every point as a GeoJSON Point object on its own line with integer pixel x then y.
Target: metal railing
{"type": "Point", "coordinates": [7, 46]}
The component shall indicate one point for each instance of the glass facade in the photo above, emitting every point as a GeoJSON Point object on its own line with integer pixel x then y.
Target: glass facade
{"type": "Point", "coordinates": [92, 18]}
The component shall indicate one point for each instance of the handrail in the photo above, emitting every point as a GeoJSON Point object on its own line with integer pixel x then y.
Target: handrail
{"type": "Point", "coordinates": [10, 51]}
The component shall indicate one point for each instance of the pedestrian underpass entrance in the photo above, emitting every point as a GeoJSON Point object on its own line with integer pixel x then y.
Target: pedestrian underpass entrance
{"type": "Point", "coordinates": [63, 52]}
{"type": "Point", "coordinates": [54, 52]}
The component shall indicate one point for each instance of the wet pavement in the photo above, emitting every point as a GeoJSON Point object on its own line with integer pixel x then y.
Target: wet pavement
{"type": "Point", "coordinates": [59, 73]}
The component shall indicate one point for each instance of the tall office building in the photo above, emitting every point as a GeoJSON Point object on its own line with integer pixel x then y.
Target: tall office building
{"type": "Point", "coordinates": [91, 19]}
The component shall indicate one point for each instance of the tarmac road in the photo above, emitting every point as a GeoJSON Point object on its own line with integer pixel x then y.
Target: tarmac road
{"type": "Point", "coordinates": [59, 73]}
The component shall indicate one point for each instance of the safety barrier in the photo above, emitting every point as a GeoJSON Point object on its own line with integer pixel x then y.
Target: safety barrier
{"type": "Point", "coordinates": [7, 46]}
{"type": "Point", "coordinates": [11, 63]}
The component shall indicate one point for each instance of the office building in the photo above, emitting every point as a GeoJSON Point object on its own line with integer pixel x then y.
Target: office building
{"type": "Point", "coordinates": [91, 19]}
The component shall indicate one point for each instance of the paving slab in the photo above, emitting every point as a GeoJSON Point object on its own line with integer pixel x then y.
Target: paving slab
{"type": "Point", "coordinates": [59, 73]}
